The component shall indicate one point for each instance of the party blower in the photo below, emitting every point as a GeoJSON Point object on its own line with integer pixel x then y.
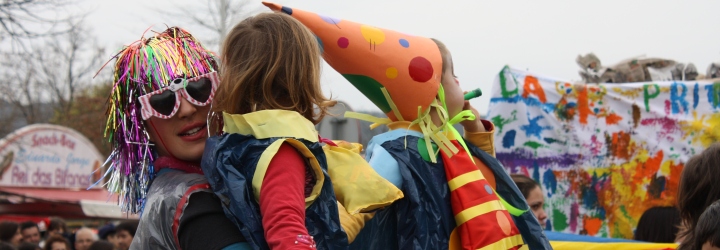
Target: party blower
{"type": "Point", "coordinates": [473, 94]}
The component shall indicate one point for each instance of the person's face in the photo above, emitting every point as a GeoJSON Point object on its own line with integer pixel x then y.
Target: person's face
{"type": "Point", "coordinates": [56, 232]}
{"type": "Point", "coordinates": [113, 240]}
{"type": "Point", "coordinates": [17, 239]}
{"type": "Point", "coordinates": [536, 200]}
{"type": "Point", "coordinates": [454, 98]}
{"type": "Point", "coordinates": [123, 239]}
{"type": "Point", "coordinates": [59, 246]}
{"type": "Point", "coordinates": [31, 235]}
{"type": "Point", "coordinates": [183, 135]}
{"type": "Point", "coordinates": [83, 240]}
{"type": "Point", "coordinates": [709, 246]}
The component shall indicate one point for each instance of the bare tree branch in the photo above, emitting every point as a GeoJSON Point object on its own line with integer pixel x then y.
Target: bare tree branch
{"type": "Point", "coordinates": [215, 16]}
{"type": "Point", "coordinates": [66, 63]}
{"type": "Point", "coordinates": [46, 80]}
{"type": "Point", "coordinates": [21, 20]}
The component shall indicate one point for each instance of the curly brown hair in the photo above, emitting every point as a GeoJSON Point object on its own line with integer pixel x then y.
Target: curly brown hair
{"type": "Point", "coordinates": [49, 242]}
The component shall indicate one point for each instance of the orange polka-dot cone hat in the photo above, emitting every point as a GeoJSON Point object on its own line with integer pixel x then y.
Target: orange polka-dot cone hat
{"type": "Point", "coordinates": [408, 67]}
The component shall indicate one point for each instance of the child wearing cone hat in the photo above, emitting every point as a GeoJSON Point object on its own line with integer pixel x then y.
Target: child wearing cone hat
{"type": "Point", "coordinates": [456, 194]}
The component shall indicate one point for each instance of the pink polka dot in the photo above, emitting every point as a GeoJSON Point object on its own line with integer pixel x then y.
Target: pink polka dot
{"type": "Point", "coordinates": [343, 42]}
{"type": "Point", "coordinates": [420, 69]}
{"type": "Point", "coordinates": [503, 222]}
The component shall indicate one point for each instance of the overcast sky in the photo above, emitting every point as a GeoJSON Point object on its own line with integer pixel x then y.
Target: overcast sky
{"type": "Point", "coordinates": [542, 36]}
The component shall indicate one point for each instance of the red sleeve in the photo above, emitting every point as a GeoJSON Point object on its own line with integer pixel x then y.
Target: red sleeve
{"type": "Point", "coordinates": [489, 126]}
{"type": "Point", "coordinates": [282, 200]}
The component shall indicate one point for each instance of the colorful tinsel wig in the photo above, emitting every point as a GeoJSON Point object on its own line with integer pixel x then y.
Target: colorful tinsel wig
{"type": "Point", "coordinates": [140, 68]}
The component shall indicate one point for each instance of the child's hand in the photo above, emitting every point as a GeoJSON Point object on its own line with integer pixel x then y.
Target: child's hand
{"type": "Point", "coordinates": [474, 125]}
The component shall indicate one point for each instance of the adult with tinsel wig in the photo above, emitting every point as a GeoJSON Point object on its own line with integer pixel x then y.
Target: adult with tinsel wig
{"type": "Point", "coordinates": [162, 89]}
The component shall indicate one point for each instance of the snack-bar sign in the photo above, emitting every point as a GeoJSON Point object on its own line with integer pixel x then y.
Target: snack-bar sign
{"type": "Point", "coordinates": [48, 156]}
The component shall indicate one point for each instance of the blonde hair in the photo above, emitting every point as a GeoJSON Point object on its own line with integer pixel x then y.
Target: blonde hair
{"type": "Point", "coordinates": [271, 61]}
{"type": "Point", "coordinates": [444, 53]}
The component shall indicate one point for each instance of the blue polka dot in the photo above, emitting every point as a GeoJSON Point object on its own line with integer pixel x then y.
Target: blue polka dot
{"type": "Point", "coordinates": [320, 43]}
{"type": "Point", "coordinates": [488, 189]}
{"type": "Point", "coordinates": [330, 20]}
{"type": "Point", "coordinates": [404, 43]}
{"type": "Point", "coordinates": [568, 91]}
{"type": "Point", "coordinates": [287, 10]}
{"type": "Point", "coordinates": [596, 110]}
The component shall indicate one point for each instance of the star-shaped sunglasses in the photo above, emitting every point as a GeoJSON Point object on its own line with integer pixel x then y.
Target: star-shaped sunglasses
{"type": "Point", "coordinates": [165, 102]}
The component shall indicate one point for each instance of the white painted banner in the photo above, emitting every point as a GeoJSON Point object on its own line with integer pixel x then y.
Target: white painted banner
{"type": "Point", "coordinates": [604, 153]}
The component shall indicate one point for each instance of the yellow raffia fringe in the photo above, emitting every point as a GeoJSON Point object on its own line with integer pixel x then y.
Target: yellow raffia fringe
{"type": "Point", "coordinates": [377, 121]}
{"type": "Point", "coordinates": [438, 134]}
{"type": "Point", "coordinates": [434, 133]}
{"type": "Point", "coordinates": [392, 104]}
{"type": "Point", "coordinates": [430, 131]}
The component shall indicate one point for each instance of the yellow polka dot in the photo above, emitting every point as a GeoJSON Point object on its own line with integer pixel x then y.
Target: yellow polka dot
{"type": "Point", "coordinates": [391, 73]}
{"type": "Point", "coordinates": [372, 35]}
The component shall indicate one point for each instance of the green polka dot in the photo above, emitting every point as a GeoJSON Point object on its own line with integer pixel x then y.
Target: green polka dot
{"type": "Point", "coordinates": [371, 89]}
{"type": "Point", "coordinates": [423, 150]}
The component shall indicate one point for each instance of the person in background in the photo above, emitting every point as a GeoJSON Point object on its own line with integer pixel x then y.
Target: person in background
{"type": "Point", "coordinates": [707, 231]}
{"type": "Point", "coordinates": [108, 233]}
{"type": "Point", "coordinates": [658, 224]}
{"type": "Point", "coordinates": [10, 233]}
{"type": "Point", "coordinates": [124, 232]}
{"type": "Point", "coordinates": [84, 237]}
{"type": "Point", "coordinates": [57, 226]}
{"type": "Point", "coordinates": [57, 243]}
{"type": "Point", "coordinates": [102, 245]}
{"type": "Point", "coordinates": [698, 189]}
{"type": "Point", "coordinates": [28, 246]}
{"type": "Point", "coordinates": [7, 246]}
{"type": "Point", "coordinates": [533, 195]}
{"type": "Point", "coordinates": [30, 232]}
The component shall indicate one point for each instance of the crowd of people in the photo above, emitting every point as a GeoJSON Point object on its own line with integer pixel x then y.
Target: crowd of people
{"type": "Point", "coordinates": [28, 236]}
{"type": "Point", "coordinates": [223, 154]}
